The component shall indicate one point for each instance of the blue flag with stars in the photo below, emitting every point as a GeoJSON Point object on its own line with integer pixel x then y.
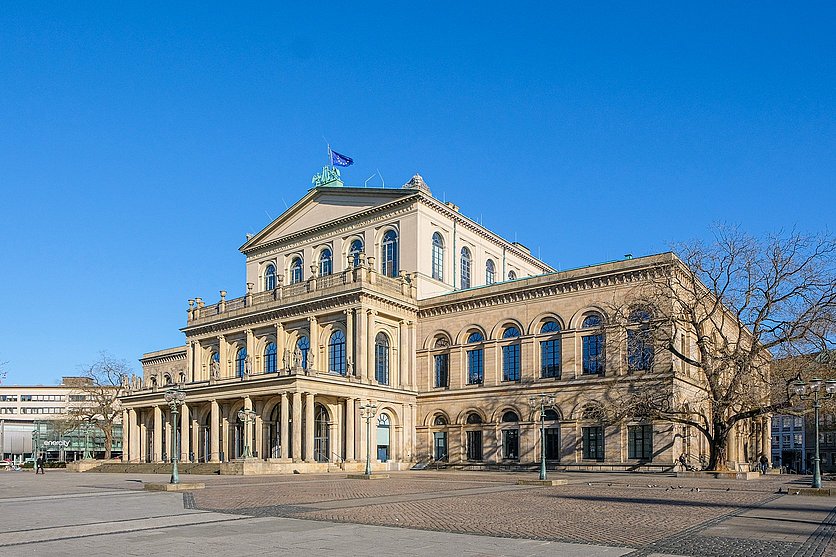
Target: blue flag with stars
{"type": "Point", "coordinates": [340, 160]}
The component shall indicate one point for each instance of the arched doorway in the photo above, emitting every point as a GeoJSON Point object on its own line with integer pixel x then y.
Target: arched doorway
{"type": "Point", "coordinates": [383, 437]}
{"type": "Point", "coordinates": [322, 434]}
{"type": "Point", "coordinates": [440, 438]}
{"type": "Point", "coordinates": [204, 440]}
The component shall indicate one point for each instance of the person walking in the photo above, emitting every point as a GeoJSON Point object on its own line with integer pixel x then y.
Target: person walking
{"type": "Point", "coordinates": [763, 463]}
{"type": "Point", "coordinates": [39, 465]}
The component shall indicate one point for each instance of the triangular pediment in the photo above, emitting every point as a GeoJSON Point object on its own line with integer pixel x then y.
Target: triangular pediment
{"type": "Point", "coordinates": [320, 206]}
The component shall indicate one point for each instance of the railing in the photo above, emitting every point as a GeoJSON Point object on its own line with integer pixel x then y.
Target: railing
{"type": "Point", "coordinates": [401, 286]}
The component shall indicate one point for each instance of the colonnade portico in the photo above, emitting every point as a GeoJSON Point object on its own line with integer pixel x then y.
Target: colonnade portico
{"type": "Point", "coordinates": [294, 423]}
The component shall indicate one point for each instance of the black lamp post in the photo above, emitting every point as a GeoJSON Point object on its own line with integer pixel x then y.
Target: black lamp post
{"type": "Point", "coordinates": [544, 401]}
{"type": "Point", "coordinates": [812, 391]}
{"type": "Point", "coordinates": [175, 398]}
{"type": "Point", "coordinates": [367, 412]}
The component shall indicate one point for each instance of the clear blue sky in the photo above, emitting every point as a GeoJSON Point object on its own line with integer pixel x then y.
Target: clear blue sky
{"type": "Point", "coordinates": [139, 144]}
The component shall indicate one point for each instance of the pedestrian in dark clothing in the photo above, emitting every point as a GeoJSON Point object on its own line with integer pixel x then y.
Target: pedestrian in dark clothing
{"type": "Point", "coordinates": [764, 463]}
{"type": "Point", "coordinates": [39, 463]}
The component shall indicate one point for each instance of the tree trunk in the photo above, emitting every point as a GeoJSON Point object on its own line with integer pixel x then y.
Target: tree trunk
{"type": "Point", "coordinates": [108, 442]}
{"type": "Point", "coordinates": [717, 447]}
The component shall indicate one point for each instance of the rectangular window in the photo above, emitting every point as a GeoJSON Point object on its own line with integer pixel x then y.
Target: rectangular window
{"type": "Point", "coordinates": [7, 410]}
{"type": "Point", "coordinates": [552, 443]}
{"type": "Point", "coordinates": [78, 398]}
{"type": "Point", "coordinates": [640, 442]}
{"type": "Point", "coordinates": [593, 354]}
{"type": "Point", "coordinates": [796, 438]}
{"type": "Point", "coordinates": [442, 371]}
{"type": "Point", "coordinates": [593, 443]}
{"type": "Point", "coordinates": [550, 358]}
{"type": "Point", "coordinates": [475, 366]}
{"type": "Point", "coordinates": [474, 445]}
{"type": "Point", "coordinates": [25, 398]}
{"type": "Point", "coordinates": [511, 443]}
{"type": "Point", "coordinates": [776, 422]}
{"type": "Point", "coordinates": [639, 350]}
{"type": "Point", "coordinates": [786, 440]}
{"type": "Point", "coordinates": [8, 398]}
{"type": "Point", "coordinates": [798, 422]}
{"type": "Point", "coordinates": [511, 362]}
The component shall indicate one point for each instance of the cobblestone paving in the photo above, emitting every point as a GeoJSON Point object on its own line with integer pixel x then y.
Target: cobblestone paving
{"type": "Point", "coordinates": [653, 513]}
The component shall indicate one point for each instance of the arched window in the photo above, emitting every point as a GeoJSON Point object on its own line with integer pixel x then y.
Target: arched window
{"type": "Point", "coordinates": [354, 251]}
{"type": "Point", "coordinates": [474, 418]}
{"type": "Point", "coordinates": [550, 350]}
{"type": "Point", "coordinates": [389, 254]}
{"type": "Point", "coordinates": [466, 261]}
{"type": "Point", "coordinates": [551, 415]}
{"type": "Point", "coordinates": [325, 263]}
{"type": "Point", "coordinates": [474, 438]}
{"type": "Point", "coordinates": [440, 420]}
{"type": "Point", "coordinates": [510, 416]}
{"type": "Point", "coordinates": [593, 345]}
{"type": "Point", "coordinates": [304, 345]}
{"type": "Point", "coordinates": [438, 257]}
{"type": "Point", "coordinates": [475, 360]}
{"type": "Point", "coordinates": [240, 361]}
{"type": "Point", "coordinates": [381, 359]}
{"type": "Point", "coordinates": [296, 270]}
{"type": "Point", "coordinates": [270, 277]}
{"type": "Point", "coordinates": [640, 352]}
{"type": "Point", "coordinates": [512, 275]}
{"type": "Point", "coordinates": [490, 272]}
{"type": "Point", "coordinates": [336, 352]}
{"type": "Point", "coordinates": [511, 355]}
{"type": "Point", "coordinates": [167, 379]}
{"type": "Point", "coordinates": [270, 358]}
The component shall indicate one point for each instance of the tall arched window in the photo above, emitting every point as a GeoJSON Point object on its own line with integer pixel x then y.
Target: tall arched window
{"type": "Point", "coordinates": [296, 270]}
{"type": "Point", "coordinates": [511, 355]}
{"type": "Point", "coordinates": [593, 345]}
{"type": "Point", "coordinates": [383, 438]}
{"type": "Point", "coordinates": [550, 350]}
{"type": "Point", "coordinates": [490, 272]}
{"type": "Point", "coordinates": [640, 352]}
{"type": "Point", "coordinates": [270, 358]}
{"type": "Point", "coordinates": [325, 264]}
{"type": "Point", "coordinates": [510, 436]}
{"type": "Point", "coordinates": [240, 361]}
{"type": "Point", "coordinates": [304, 345]}
{"type": "Point", "coordinates": [381, 359]}
{"type": "Point", "coordinates": [389, 254]}
{"type": "Point", "coordinates": [475, 360]}
{"type": "Point", "coordinates": [270, 277]}
{"type": "Point", "coordinates": [336, 352]}
{"type": "Point", "coordinates": [466, 263]}
{"type": "Point", "coordinates": [438, 257]}
{"type": "Point", "coordinates": [354, 251]}
{"type": "Point", "coordinates": [322, 434]}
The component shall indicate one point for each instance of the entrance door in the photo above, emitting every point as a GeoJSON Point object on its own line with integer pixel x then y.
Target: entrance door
{"type": "Point", "coordinates": [383, 438]}
{"type": "Point", "coordinates": [440, 442]}
{"type": "Point", "coordinates": [474, 445]}
{"type": "Point", "coordinates": [322, 434]}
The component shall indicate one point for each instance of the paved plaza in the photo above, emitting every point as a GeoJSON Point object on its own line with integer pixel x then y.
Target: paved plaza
{"type": "Point", "coordinates": [413, 513]}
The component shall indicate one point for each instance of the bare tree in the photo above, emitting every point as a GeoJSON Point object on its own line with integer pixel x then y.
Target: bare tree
{"type": "Point", "coordinates": [718, 316]}
{"type": "Point", "coordinates": [104, 382]}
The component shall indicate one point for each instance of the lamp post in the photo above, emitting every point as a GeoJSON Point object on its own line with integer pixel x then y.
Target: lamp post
{"type": "Point", "coordinates": [175, 398]}
{"type": "Point", "coordinates": [246, 416]}
{"type": "Point", "coordinates": [367, 412]}
{"type": "Point", "coordinates": [811, 391]}
{"type": "Point", "coordinates": [544, 401]}
{"type": "Point", "coordinates": [36, 433]}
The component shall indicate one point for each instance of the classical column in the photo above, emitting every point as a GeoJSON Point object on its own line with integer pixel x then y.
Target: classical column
{"type": "Point", "coordinates": [222, 350]}
{"type": "Point", "coordinates": [412, 357]}
{"type": "Point", "coordinates": [309, 427]}
{"type": "Point", "coordinates": [258, 424]}
{"type": "Point", "coordinates": [143, 436]}
{"type": "Point", "coordinates": [349, 429]}
{"type": "Point", "coordinates": [185, 438]}
{"type": "Point", "coordinates": [349, 340]}
{"type": "Point", "coordinates": [360, 369]}
{"type": "Point", "coordinates": [403, 352]}
{"type": "Point", "coordinates": [214, 440]}
{"type": "Point", "coordinates": [370, 319]}
{"type": "Point", "coordinates": [285, 424]}
{"type": "Point", "coordinates": [297, 427]}
{"type": "Point", "coordinates": [248, 424]}
{"type": "Point", "coordinates": [126, 436]}
{"type": "Point", "coordinates": [190, 361]}
{"type": "Point", "coordinates": [133, 436]}
{"type": "Point", "coordinates": [314, 328]}
{"type": "Point", "coordinates": [225, 448]}
{"type": "Point", "coordinates": [169, 449]}
{"type": "Point", "coordinates": [280, 343]}
{"type": "Point", "coordinates": [195, 441]}
{"type": "Point", "coordinates": [158, 435]}
{"type": "Point", "coordinates": [251, 351]}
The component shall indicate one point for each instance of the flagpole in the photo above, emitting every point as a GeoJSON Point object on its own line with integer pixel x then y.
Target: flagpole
{"type": "Point", "coordinates": [330, 161]}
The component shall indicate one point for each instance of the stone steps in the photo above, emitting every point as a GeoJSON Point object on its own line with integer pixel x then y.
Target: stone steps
{"type": "Point", "coordinates": [202, 468]}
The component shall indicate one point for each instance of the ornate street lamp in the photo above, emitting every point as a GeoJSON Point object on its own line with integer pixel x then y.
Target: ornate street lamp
{"type": "Point", "coordinates": [246, 416]}
{"type": "Point", "coordinates": [811, 391]}
{"type": "Point", "coordinates": [175, 398]}
{"type": "Point", "coordinates": [367, 412]}
{"type": "Point", "coordinates": [544, 401]}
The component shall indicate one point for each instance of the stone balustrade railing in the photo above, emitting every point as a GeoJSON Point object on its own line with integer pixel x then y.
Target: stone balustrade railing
{"type": "Point", "coordinates": [403, 285]}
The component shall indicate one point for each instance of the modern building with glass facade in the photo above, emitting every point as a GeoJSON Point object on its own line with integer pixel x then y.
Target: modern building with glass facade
{"type": "Point", "coordinates": [393, 297]}
{"type": "Point", "coordinates": [36, 419]}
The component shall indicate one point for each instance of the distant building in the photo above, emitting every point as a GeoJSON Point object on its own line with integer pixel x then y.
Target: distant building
{"type": "Point", "coordinates": [789, 443]}
{"type": "Point", "coordinates": [391, 297]}
{"type": "Point", "coordinates": [36, 419]}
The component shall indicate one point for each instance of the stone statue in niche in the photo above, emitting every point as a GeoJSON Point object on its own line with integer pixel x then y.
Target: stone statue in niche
{"type": "Point", "coordinates": [215, 370]}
